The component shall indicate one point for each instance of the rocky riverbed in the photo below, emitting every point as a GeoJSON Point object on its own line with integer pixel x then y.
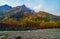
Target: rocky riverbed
{"type": "Point", "coordinates": [34, 34]}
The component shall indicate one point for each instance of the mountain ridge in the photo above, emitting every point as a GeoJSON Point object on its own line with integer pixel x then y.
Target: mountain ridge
{"type": "Point", "coordinates": [5, 7]}
{"type": "Point", "coordinates": [15, 10]}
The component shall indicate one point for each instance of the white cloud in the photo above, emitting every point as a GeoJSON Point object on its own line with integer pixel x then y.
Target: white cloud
{"type": "Point", "coordinates": [28, 5]}
{"type": "Point", "coordinates": [37, 7]}
{"type": "Point", "coordinates": [3, 2]}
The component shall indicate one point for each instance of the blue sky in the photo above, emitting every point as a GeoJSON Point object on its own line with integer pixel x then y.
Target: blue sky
{"type": "Point", "coordinates": [51, 6]}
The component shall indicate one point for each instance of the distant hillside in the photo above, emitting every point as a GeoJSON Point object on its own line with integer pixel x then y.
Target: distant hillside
{"type": "Point", "coordinates": [44, 16]}
{"type": "Point", "coordinates": [40, 20]}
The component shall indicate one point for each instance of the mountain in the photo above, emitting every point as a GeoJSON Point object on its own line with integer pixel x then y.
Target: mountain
{"type": "Point", "coordinates": [5, 7]}
{"type": "Point", "coordinates": [3, 10]}
{"type": "Point", "coordinates": [19, 12]}
{"type": "Point", "coordinates": [23, 18]}
{"type": "Point", "coordinates": [15, 12]}
{"type": "Point", "coordinates": [26, 9]}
